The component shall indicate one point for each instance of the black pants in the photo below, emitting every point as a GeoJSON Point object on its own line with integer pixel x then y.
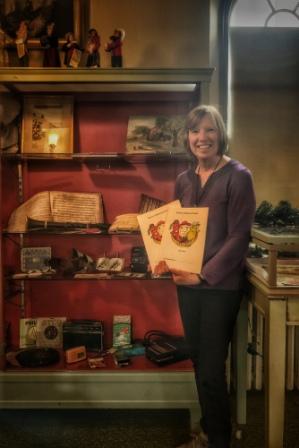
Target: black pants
{"type": "Point", "coordinates": [208, 318]}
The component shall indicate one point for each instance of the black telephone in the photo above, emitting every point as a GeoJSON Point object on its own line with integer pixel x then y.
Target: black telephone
{"type": "Point", "coordinates": [139, 260]}
{"type": "Point", "coordinates": [162, 348]}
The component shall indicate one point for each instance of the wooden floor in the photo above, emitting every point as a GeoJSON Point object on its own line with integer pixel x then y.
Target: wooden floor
{"type": "Point", "coordinates": [129, 428]}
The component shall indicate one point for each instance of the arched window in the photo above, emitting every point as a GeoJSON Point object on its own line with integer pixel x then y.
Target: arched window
{"type": "Point", "coordinates": [265, 13]}
{"type": "Point", "coordinates": [263, 92]}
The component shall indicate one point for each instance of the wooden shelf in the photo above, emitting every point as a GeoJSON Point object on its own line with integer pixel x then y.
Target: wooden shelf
{"type": "Point", "coordinates": [103, 157]}
{"type": "Point", "coordinates": [58, 80]}
{"type": "Point", "coordinates": [87, 276]}
{"type": "Point", "coordinates": [137, 363]}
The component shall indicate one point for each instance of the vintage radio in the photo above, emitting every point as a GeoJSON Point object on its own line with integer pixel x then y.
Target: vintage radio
{"type": "Point", "coordinates": [83, 332]}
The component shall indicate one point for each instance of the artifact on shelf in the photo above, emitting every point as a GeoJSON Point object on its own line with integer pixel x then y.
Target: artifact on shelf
{"type": "Point", "coordinates": [33, 357]}
{"type": "Point", "coordinates": [139, 260]}
{"type": "Point", "coordinates": [92, 49]}
{"type": "Point", "coordinates": [72, 51]}
{"type": "Point", "coordinates": [122, 330]}
{"type": "Point", "coordinates": [35, 225]}
{"type": "Point", "coordinates": [163, 348]}
{"type": "Point", "coordinates": [114, 47]}
{"type": "Point", "coordinates": [5, 41]}
{"type": "Point", "coordinates": [148, 203]}
{"type": "Point", "coordinates": [281, 215]}
{"type": "Point", "coordinates": [49, 332]}
{"type": "Point", "coordinates": [126, 223]}
{"type": "Point", "coordinates": [35, 259]}
{"type": "Point", "coordinates": [21, 43]}
{"type": "Point", "coordinates": [86, 332]}
{"type": "Point", "coordinates": [113, 264]}
{"type": "Point", "coordinates": [77, 263]}
{"type": "Point", "coordinates": [58, 207]}
{"type": "Point", "coordinates": [28, 332]}
{"type": "Point", "coordinates": [47, 126]}
{"type": "Point", "coordinates": [49, 43]}
{"type": "Point", "coordinates": [41, 332]}
{"type": "Point", "coordinates": [151, 134]}
{"type": "Point", "coordinates": [10, 108]}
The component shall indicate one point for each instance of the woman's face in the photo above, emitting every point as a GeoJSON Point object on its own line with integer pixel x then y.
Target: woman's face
{"type": "Point", "coordinates": [204, 139]}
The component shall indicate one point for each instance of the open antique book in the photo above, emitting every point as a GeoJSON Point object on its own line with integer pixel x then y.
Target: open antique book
{"type": "Point", "coordinates": [176, 235]}
{"type": "Point", "coordinates": [58, 207]}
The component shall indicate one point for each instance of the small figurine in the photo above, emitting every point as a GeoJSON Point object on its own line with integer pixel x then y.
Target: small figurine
{"type": "Point", "coordinates": [72, 51]}
{"type": "Point", "coordinates": [115, 47]}
{"type": "Point", "coordinates": [92, 48]}
{"type": "Point", "coordinates": [4, 60]}
{"type": "Point", "coordinates": [50, 43]}
{"type": "Point", "coordinates": [21, 43]}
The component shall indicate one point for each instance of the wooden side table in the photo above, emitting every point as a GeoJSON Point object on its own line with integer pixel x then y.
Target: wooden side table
{"type": "Point", "coordinates": [280, 307]}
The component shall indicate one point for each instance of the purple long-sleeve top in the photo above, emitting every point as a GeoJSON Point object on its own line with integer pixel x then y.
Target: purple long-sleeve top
{"type": "Point", "coordinates": [229, 195]}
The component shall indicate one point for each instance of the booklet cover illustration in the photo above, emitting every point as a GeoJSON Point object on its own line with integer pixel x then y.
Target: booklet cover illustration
{"type": "Point", "coordinates": [176, 235]}
{"type": "Point", "coordinates": [152, 228]}
{"type": "Point", "coordinates": [184, 238]}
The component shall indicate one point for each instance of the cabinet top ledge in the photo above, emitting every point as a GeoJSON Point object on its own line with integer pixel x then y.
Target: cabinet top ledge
{"type": "Point", "coordinates": [17, 78]}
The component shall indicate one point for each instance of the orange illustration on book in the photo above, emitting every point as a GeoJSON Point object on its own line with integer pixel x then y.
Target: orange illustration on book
{"type": "Point", "coordinates": [184, 233]}
{"type": "Point", "coordinates": [155, 231]}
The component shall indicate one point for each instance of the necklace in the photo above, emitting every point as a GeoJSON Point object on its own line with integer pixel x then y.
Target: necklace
{"type": "Point", "coordinates": [213, 169]}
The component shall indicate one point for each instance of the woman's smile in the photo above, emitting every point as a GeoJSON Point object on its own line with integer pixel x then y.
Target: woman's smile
{"type": "Point", "coordinates": [204, 139]}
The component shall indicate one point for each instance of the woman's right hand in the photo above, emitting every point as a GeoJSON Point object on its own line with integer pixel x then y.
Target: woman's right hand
{"type": "Point", "coordinates": [161, 268]}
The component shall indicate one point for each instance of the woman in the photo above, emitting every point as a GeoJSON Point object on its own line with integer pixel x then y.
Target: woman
{"type": "Point", "coordinates": [209, 302]}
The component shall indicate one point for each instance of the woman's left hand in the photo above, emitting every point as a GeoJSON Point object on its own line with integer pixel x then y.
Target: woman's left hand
{"type": "Point", "coordinates": [185, 278]}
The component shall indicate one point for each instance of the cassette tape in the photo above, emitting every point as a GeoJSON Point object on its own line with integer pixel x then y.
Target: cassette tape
{"type": "Point", "coordinates": [28, 332]}
{"type": "Point", "coordinates": [49, 332]}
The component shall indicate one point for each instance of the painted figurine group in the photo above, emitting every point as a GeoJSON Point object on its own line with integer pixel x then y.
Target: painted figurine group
{"type": "Point", "coordinates": [72, 51]}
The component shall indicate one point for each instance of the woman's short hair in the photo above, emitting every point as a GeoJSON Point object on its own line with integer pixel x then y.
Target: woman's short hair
{"type": "Point", "coordinates": [194, 118]}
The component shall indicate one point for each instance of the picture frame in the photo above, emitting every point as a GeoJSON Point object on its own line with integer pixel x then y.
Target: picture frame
{"type": "Point", "coordinates": [47, 125]}
{"type": "Point", "coordinates": [155, 134]}
{"type": "Point", "coordinates": [67, 16]}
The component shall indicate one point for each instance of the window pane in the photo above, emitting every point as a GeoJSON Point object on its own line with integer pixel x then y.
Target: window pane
{"type": "Point", "coordinates": [250, 13]}
{"type": "Point", "coordinates": [283, 19]}
{"type": "Point", "coordinates": [255, 13]}
{"type": "Point", "coordinates": [286, 4]}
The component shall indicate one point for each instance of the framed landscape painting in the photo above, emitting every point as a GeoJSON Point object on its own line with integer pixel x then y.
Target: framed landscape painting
{"type": "Point", "coordinates": [151, 134]}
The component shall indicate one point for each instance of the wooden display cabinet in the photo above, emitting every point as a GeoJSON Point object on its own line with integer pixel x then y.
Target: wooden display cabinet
{"type": "Point", "coordinates": [274, 270]}
{"type": "Point", "coordinates": [104, 99]}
